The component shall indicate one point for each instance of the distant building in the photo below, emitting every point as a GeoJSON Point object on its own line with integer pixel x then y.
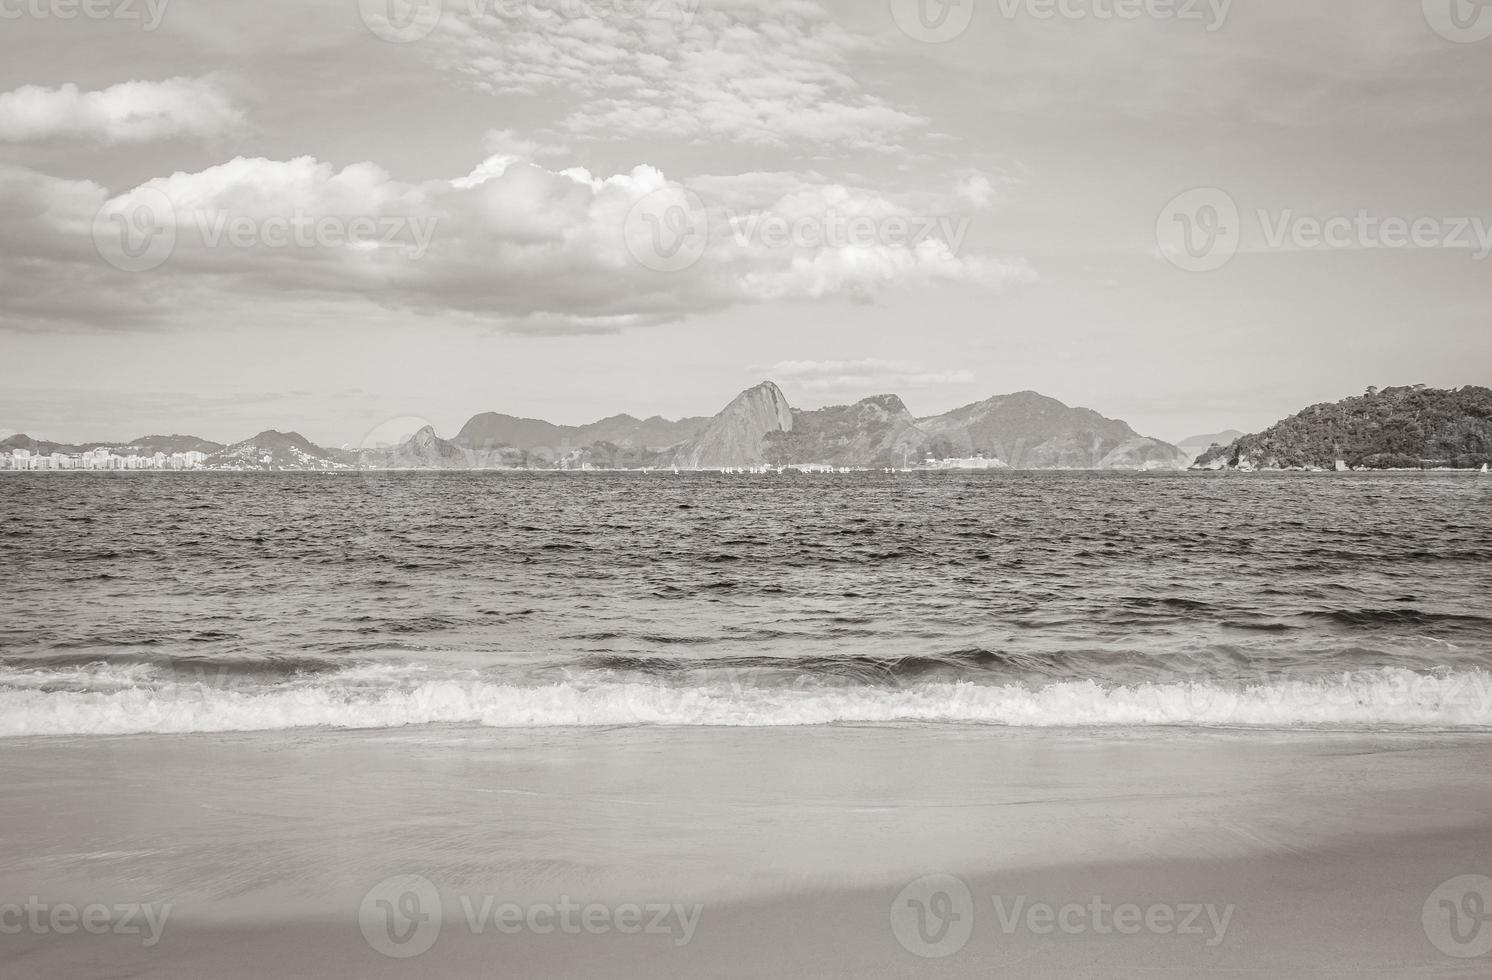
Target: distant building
{"type": "Point", "coordinates": [971, 463]}
{"type": "Point", "coordinates": [100, 459]}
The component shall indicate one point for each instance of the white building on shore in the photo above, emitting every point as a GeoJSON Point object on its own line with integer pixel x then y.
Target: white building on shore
{"type": "Point", "coordinates": [971, 463]}
{"type": "Point", "coordinates": [99, 459]}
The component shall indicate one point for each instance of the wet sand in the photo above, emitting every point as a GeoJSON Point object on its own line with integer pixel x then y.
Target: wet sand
{"type": "Point", "coordinates": [854, 852]}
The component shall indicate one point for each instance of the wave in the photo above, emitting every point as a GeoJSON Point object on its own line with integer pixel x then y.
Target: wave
{"type": "Point", "coordinates": [1397, 617]}
{"type": "Point", "coordinates": [866, 669]}
{"type": "Point", "coordinates": [129, 700]}
{"type": "Point", "coordinates": [186, 668]}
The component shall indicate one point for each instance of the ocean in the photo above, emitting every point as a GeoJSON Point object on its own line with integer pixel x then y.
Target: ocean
{"type": "Point", "coordinates": [181, 603]}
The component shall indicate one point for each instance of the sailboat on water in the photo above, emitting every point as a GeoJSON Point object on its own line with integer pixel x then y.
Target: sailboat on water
{"type": "Point", "coordinates": [1484, 470]}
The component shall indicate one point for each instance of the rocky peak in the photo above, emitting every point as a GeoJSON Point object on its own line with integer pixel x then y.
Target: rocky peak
{"type": "Point", "coordinates": [889, 404]}
{"type": "Point", "coordinates": [737, 436]}
{"type": "Point", "coordinates": [425, 438]}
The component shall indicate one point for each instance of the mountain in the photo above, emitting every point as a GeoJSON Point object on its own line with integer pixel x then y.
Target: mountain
{"type": "Point", "coordinates": [425, 450]}
{"type": "Point", "coordinates": [271, 450]}
{"type": "Point", "coordinates": [150, 445]}
{"type": "Point", "coordinates": [1396, 428]}
{"type": "Point", "coordinates": [1194, 446]}
{"type": "Point", "coordinates": [626, 432]}
{"type": "Point", "coordinates": [422, 451]}
{"type": "Point", "coordinates": [874, 432]}
{"type": "Point", "coordinates": [144, 446]}
{"type": "Point", "coordinates": [493, 431]}
{"type": "Point", "coordinates": [40, 447]}
{"type": "Point", "coordinates": [1141, 453]}
{"type": "Point", "coordinates": [738, 435]}
{"type": "Point", "coordinates": [1031, 431]}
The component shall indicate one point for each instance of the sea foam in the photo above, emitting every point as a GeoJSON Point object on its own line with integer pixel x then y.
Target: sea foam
{"type": "Point", "coordinates": [113, 702]}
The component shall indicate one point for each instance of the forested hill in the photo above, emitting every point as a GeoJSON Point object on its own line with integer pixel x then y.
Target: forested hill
{"type": "Point", "coordinates": [1396, 428]}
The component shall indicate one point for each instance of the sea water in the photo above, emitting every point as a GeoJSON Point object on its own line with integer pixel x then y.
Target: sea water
{"type": "Point", "coordinates": [185, 602]}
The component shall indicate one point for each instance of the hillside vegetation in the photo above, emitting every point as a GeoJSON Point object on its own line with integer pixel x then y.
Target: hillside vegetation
{"type": "Point", "coordinates": [1396, 428]}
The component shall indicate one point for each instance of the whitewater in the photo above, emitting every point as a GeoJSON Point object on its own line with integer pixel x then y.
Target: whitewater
{"type": "Point", "coordinates": [105, 701]}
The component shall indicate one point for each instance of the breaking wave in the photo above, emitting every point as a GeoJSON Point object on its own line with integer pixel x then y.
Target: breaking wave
{"type": "Point", "coordinates": [135, 698]}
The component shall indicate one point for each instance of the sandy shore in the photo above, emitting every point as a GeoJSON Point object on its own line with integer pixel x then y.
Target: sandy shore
{"type": "Point", "coordinates": [853, 852]}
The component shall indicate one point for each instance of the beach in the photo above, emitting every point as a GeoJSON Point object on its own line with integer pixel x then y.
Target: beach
{"type": "Point", "coordinates": [840, 851]}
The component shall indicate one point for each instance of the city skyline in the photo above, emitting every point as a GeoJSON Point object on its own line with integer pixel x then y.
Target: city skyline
{"type": "Point", "coordinates": [99, 459]}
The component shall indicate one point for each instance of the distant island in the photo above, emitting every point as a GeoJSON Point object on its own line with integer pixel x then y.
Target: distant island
{"type": "Point", "coordinates": [1195, 446]}
{"type": "Point", "coordinates": [1396, 428]}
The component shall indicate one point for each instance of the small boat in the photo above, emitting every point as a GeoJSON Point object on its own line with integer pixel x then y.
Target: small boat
{"type": "Point", "coordinates": [1484, 470]}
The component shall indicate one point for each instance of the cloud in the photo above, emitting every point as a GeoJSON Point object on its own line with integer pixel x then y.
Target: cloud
{"type": "Point", "coordinates": [130, 112]}
{"type": "Point", "coordinates": [508, 143]}
{"type": "Point", "coordinates": [793, 236]}
{"type": "Point", "coordinates": [863, 376]}
{"type": "Point", "coordinates": [512, 244]}
{"type": "Point", "coordinates": [739, 70]}
{"type": "Point", "coordinates": [976, 190]}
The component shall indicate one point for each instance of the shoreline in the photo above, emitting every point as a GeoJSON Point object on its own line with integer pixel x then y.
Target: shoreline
{"type": "Point", "coordinates": [787, 470]}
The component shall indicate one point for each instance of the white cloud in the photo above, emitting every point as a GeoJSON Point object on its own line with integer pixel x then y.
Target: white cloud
{"type": "Point", "coordinates": [509, 143]}
{"type": "Point", "coordinates": [130, 112]}
{"type": "Point", "coordinates": [976, 190]}
{"type": "Point", "coordinates": [802, 237]}
{"type": "Point", "coordinates": [740, 70]}
{"type": "Point", "coordinates": [512, 243]}
{"type": "Point", "coordinates": [864, 376]}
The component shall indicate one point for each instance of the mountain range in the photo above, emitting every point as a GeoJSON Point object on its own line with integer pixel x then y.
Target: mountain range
{"type": "Point", "coordinates": [1406, 427]}
{"type": "Point", "coordinates": [759, 427]}
{"type": "Point", "coordinates": [1025, 430]}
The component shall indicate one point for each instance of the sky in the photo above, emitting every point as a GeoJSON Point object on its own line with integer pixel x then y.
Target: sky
{"type": "Point", "coordinates": [219, 217]}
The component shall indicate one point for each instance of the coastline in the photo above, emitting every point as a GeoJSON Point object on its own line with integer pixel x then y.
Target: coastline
{"type": "Point", "coordinates": [795, 844]}
{"type": "Point", "coordinates": [790, 470]}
